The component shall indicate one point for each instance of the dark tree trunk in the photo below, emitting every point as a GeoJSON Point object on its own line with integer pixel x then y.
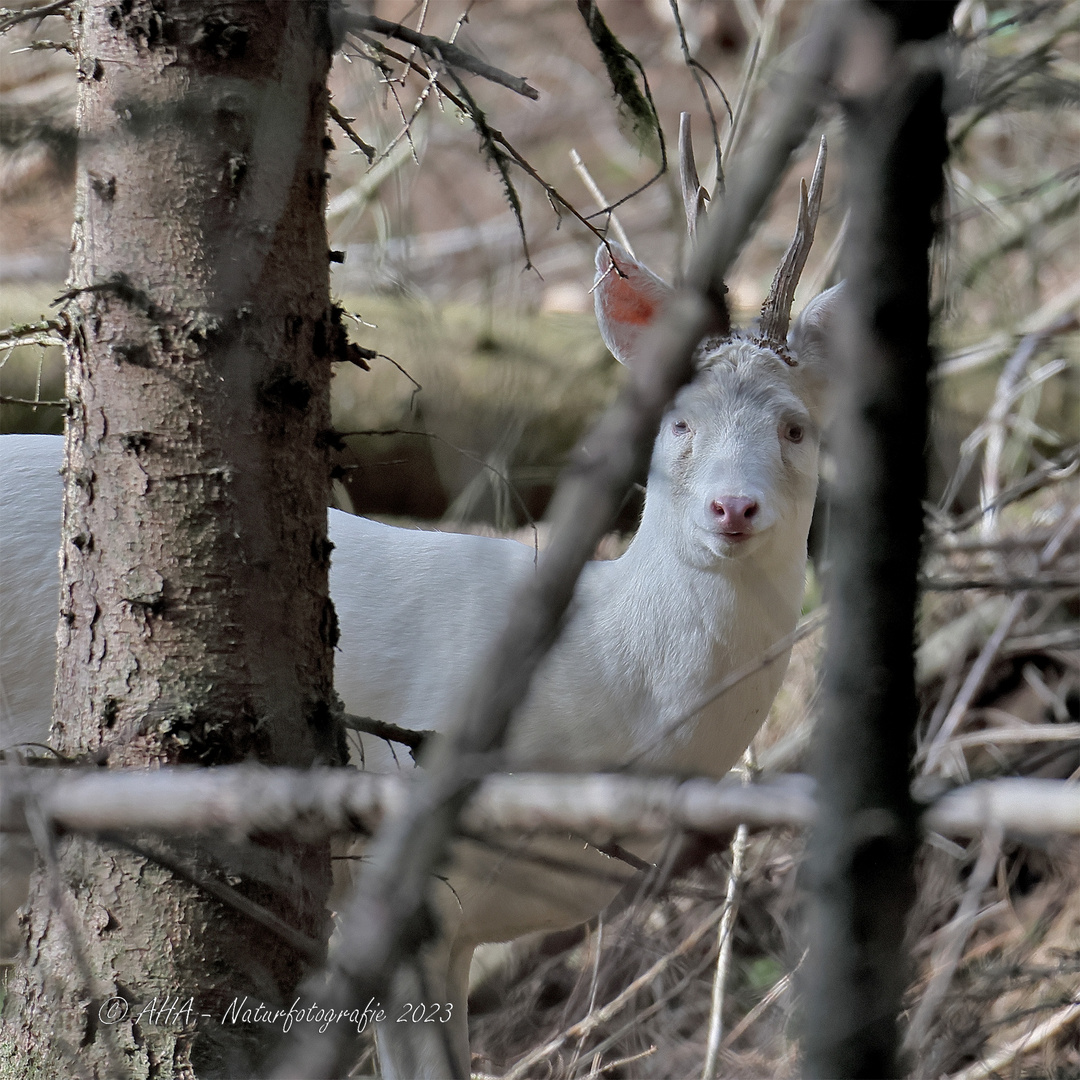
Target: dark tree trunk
{"type": "Point", "coordinates": [863, 847]}
{"type": "Point", "coordinates": [195, 621]}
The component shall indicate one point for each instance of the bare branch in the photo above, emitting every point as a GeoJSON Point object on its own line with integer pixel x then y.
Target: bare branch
{"type": "Point", "coordinates": [522, 505]}
{"type": "Point", "coordinates": [46, 332]}
{"type": "Point", "coordinates": [1052, 471]}
{"type": "Point", "coordinates": [723, 959]}
{"type": "Point", "coordinates": [637, 102]}
{"type": "Point", "coordinates": [241, 800]}
{"type": "Point", "coordinates": [697, 70]}
{"type": "Point", "coordinates": [345, 123]}
{"type": "Point", "coordinates": [498, 138]}
{"type": "Point", "coordinates": [311, 950]}
{"type": "Point", "coordinates": [594, 190]}
{"type": "Point", "coordinates": [438, 49]}
{"type": "Point", "coordinates": [938, 739]}
{"type": "Point", "coordinates": [950, 945]}
{"type": "Point", "coordinates": [996, 1064]}
{"type": "Point", "coordinates": [10, 17]}
{"type": "Point", "coordinates": [601, 1016]}
{"type": "Point", "coordinates": [752, 184]}
{"type": "Point", "coordinates": [383, 729]}
{"type": "Point", "coordinates": [61, 403]}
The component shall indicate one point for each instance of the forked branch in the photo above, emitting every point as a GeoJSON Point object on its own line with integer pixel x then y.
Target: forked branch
{"type": "Point", "coordinates": [437, 49]}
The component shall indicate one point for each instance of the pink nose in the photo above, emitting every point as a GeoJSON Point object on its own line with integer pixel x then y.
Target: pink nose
{"type": "Point", "coordinates": [735, 514]}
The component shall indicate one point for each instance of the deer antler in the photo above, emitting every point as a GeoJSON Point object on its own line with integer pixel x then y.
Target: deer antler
{"type": "Point", "coordinates": [776, 311]}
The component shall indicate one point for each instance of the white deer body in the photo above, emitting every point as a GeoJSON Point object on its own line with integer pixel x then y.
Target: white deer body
{"type": "Point", "coordinates": [713, 578]}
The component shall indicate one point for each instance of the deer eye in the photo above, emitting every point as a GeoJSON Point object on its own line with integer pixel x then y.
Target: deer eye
{"type": "Point", "coordinates": [793, 433]}
{"type": "Point", "coordinates": [680, 427]}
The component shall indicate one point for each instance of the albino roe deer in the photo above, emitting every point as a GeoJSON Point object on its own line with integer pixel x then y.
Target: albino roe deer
{"type": "Point", "coordinates": [712, 579]}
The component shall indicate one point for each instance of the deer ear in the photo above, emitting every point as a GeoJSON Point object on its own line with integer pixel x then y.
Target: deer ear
{"type": "Point", "coordinates": [626, 305]}
{"type": "Point", "coordinates": [811, 343]}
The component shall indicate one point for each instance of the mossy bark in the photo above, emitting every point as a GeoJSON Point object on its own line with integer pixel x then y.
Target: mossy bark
{"type": "Point", "coordinates": [195, 621]}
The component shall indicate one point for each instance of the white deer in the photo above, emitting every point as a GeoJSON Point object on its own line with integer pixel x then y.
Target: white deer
{"type": "Point", "coordinates": [712, 579]}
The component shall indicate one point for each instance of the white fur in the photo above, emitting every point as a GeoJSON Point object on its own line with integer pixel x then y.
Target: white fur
{"type": "Point", "coordinates": [648, 636]}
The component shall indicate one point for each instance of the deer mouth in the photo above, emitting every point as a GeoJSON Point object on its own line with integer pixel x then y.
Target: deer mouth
{"type": "Point", "coordinates": [736, 544]}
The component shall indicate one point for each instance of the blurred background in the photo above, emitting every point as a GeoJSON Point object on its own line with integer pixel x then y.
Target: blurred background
{"type": "Point", "coordinates": [491, 367]}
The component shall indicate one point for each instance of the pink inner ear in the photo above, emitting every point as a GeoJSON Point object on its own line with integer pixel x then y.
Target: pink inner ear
{"type": "Point", "coordinates": [625, 303]}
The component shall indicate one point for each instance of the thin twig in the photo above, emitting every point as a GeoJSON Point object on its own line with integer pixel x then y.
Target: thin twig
{"type": "Point", "coordinates": [383, 729]}
{"type": "Point", "coordinates": [951, 944]}
{"type": "Point", "coordinates": [696, 70]}
{"type": "Point", "coordinates": [725, 936]}
{"type": "Point", "coordinates": [10, 17]}
{"type": "Point", "coordinates": [939, 739]}
{"type": "Point", "coordinates": [618, 61]}
{"type": "Point", "coordinates": [345, 123]}
{"type": "Point", "coordinates": [996, 1063]}
{"type": "Point", "coordinates": [972, 683]}
{"type": "Point", "coordinates": [723, 960]}
{"type": "Point", "coordinates": [594, 190]}
{"type": "Point", "coordinates": [62, 403]}
{"type": "Point", "coordinates": [41, 831]}
{"type": "Point", "coordinates": [310, 949]}
{"type": "Point", "coordinates": [779, 988]}
{"type": "Point", "coordinates": [445, 51]}
{"type": "Point", "coordinates": [499, 138]}
{"type": "Point", "coordinates": [1011, 584]}
{"type": "Point", "coordinates": [766, 31]}
{"type": "Point", "coordinates": [814, 621]}
{"type": "Point", "coordinates": [1053, 471]}
{"type": "Point", "coordinates": [523, 1067]}
{"type": "Point", "coordinates": [46, 332]}
{"type": "Point", "coordinates": [1027, 733]}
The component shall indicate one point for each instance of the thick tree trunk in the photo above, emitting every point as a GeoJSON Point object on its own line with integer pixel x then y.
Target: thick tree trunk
{"type": "Point", "coordinates": [195, 622]}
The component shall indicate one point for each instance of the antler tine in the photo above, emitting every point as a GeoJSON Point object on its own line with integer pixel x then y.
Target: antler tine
{"type": "Point", "coordinates": [694, 195]}
{"type": "Point", "coordinates": [776, 311]}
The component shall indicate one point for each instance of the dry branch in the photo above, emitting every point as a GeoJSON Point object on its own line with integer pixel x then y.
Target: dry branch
{"type": "Point", "coordinates": [953, 938]}
{"type": "Point", "coordinates": [494, 139]}
{"type": "Point", "coordinates": [594, 190]}
{"type": "Point", "coordinates": [600, 1016]}
{"type": "Point", "coordinates": [242, 800]}
{"type": "Point", "coordinates": [345, 123]}
{"type": "Point", "coordinates": [45, 332]}
{"type": "Point", "coordinates": [10, 17]}
{"type": "Point", "coordinates": [437, 49]}
{"type": "Point", "coordinates": [996, 1063]}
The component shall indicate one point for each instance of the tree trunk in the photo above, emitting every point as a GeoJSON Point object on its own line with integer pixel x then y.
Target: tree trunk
{"type": "Point", "coordinates": [863, 846]}
{"type": "Point", "coordinates": [195, 621]}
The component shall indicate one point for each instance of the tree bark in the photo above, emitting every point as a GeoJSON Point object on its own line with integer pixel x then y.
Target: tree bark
{"type": "Point", "coordinates": [195, 620]}
{"type": "Point", "coordinates": [862, 850]}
